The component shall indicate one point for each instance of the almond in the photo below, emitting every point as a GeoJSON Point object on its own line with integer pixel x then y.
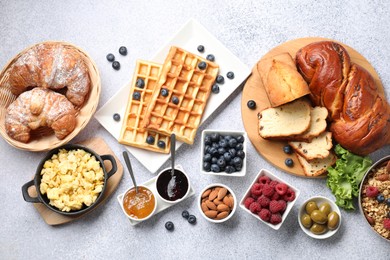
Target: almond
{"type": "Point", "coordinates": [222, 193]}
{"type": "Point", "coordinates": [204, 207]}
{"type": "Point", "coordinates": [211, 213]}
{"type": "Point", "coordinates": [206, 193]}
{"type": "Point", "coordinates": [217, 201]}
{"type": "Point", "coordinates": [383, 177]}
{"type": "Point", "coordinates": [222, 215]}
{"type": "Point", "coordinates": [227, 201]}
{"type": "Point", "coordinates": [231, 200]}
{"type": "Point", "coordinates": [213, 195]}
{"type": "Point", "coordinates": [211, 205]}
{"type": "Point", "coordinates": [223, 207]}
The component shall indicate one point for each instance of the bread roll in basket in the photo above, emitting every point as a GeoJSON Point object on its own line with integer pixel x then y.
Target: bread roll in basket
{"type": "Point", "coordinates": [43, 138]}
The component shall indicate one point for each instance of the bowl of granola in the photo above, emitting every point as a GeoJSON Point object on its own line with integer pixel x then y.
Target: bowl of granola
{"type": "Point", "coordinates": [374, 197]}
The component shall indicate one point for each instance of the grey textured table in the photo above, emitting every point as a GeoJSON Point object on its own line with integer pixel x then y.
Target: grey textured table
{"type": "Point", "coordinates": [249, 29]}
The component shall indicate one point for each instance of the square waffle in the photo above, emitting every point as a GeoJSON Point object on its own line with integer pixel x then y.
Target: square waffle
{"type": "Point", "coordinates": [183, 81]}
{"type": "Point", "coordinates": [131, 133]}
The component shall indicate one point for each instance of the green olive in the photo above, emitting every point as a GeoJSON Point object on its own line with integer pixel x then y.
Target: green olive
{"type": "Point", "coordinates": [333, 220]}
{"type": "Point", "coordinates": [306, 221]}
{"type": "Point", "coordinates": [318, 229]}
{"type": "Point", "coordinates": [325, 208]}
{"type": "Point", "coordinates": [318, 217]}
{"type": "Point", "coordinates": [310, 206]}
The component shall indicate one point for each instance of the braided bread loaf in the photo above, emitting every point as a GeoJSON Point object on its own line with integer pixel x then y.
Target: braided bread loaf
{"type": "Point", "coordinates": [358, 111]}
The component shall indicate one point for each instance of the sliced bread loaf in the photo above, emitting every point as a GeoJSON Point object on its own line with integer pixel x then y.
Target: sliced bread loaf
{"type": "Point", "coordinates": [281, 122]}
{"type": "Point", "coordinates": [316, 167]}
{"type": "Point", "coordinates": [318, 147]}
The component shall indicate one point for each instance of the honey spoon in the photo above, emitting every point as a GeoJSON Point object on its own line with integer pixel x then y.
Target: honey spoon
{"type": "Point", "coordinates": [130, 169]}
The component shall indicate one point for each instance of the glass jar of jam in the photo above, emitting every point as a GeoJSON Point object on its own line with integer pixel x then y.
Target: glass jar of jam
{"type": "Point", "coordinates": [139, 205]}
{"type": "Point", "coordinates": [172, 187]}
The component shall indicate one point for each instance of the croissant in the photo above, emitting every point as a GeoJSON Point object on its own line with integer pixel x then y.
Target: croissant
{"type": "Point", "coordinates": [54, 66]}
{"type": "Point", "coordinates": [358, 112]}
{"type": "Point", "coordinates": [36, 108]}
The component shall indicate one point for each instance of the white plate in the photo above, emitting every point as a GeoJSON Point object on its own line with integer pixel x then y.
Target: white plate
{"type": "Point", "coordinates": [189, 37]}
{"type": "Point", "coordinates": [161, 205]}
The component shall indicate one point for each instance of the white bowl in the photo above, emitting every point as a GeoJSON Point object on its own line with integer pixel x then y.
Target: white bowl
{"type": "Point", "coordinates": [264, 172]}
{"type": "Point", "coordinates": [231, 212]}
{"type": "Point", "coordinates": [240, 173]}
{"type": "Point", "coordinates": [147, 217]}
{"type": "Point", "coordinates": [319, 200]}
{"type": "Point", "coordinates": [185, 195]}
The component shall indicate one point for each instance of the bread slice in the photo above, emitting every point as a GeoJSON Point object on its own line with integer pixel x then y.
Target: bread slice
{"type": "Point", "coordinates": [281, 79]}
{"type": "Point", "coordinates": [289, 119]}
{"type": "Point", "coordinates": [318, 147]}
{"type": "Point", "coordinates": [316, 167]}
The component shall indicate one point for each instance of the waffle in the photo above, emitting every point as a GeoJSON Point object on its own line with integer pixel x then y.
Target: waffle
{"type": "Point", "coordinates": [131, 133]}
{"type": "Point", "coordinates": [184, 80]}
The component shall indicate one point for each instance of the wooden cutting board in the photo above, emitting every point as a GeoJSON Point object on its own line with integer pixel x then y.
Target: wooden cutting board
{"type": "Point", "coordinates": [254, 90]}
{"type": "Point", "coordinates": [100, 147]}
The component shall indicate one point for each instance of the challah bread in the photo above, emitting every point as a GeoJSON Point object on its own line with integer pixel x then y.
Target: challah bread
{"type": "Point", "coordinates": [36, 108]}
{"type": "Point", "coordinates": [54, 66]}
{"type": "Point", "coordinates": [358, 111]}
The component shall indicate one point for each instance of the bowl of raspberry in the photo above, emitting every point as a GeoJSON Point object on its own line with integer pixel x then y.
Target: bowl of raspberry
{"type": "Point", "coordinates": [269, 199]}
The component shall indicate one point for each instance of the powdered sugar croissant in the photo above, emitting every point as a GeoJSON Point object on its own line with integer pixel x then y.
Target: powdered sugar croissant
{"type": "Point", "coordinates": [36, 108]}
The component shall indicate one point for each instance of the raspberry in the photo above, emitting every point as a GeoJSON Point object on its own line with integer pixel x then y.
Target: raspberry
{"type": "Point", "coordinates": [255, 207]}
{"type": "Point", "coordinates": [273, 183]}
{"type": "Point", "coordinates": [263, 201]}
{"type": "Point", "coordinates": [248, 202]}
{"type": "Point", "coordinates": [283, 205]}
{"type": "Point", "coordinates": [289, 196]}
{"type": "Point", "coordinates": [276, 196]}
{"type": "Point", "coordinates": [276, 219]}
{"type": "Point", "coordinates": [281, 188]}
{"type": "Point", "coordinates": [372, 192]}
{"type": "Point", "coordinates": [275, 206]}
{"type": "Point", "coordinates": [386, 223]}
{"type": "Point", "coordinates": [256, 189]}
{"type": "Point", "coordinates": [265, 214]}
{"type": "Point", "coordinates": [268, 190]}
{"type": "Point", "coordinates": [264, 180]}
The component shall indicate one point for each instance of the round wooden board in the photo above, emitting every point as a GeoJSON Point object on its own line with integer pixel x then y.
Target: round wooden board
{"type": "Point", "coordinates": [254, 90]}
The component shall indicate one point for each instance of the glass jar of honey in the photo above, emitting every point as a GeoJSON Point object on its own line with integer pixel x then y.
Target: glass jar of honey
{"type": "Point", "coordinates": [141, 205]}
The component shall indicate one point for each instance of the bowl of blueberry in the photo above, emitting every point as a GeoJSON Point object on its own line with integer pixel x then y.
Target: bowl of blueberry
{"type": "Point", "coordinates": [223, 153]}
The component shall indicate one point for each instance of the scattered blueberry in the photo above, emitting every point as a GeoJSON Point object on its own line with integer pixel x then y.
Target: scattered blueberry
{"type": "Point", "coordinates": [380, 198]}
{"type": "Point", "coordinates": [227, 157]}
{"type": "Point", "coordinates": [214, 160]}
{"type": "Point", "coordinates": [161, 144]}
{"type": "Point", "coordinates": [215, 89]}
{"type": "Point", "coordinates": [388, 202]}
{"type": "Point", "coordinates": [169, 226]}
{"type": "Point", "coordinates": [185, 214]}
{"type": "Point", "coordinates": [232, 143]}
{"type": "Point", "coordinates": [230, 75]}
{"type": "Point", "coordinates": [287, 149]}
{"type": "Point", "coordinates": [201, 48]}
{"type": "Point", "coordinates": [251, 104]}
{"type": "Point", "coordinates": [175, 100]}
{"type": "Point", "coordinates": [207, 157]}
{"type": "Point", "coordinates": [202, 65]}
{"type": "Point", "coordinates": [150, 139]}
{"type": "Point", "coordinates": [140, 83]}
{"type": "Point", "coordinates": [289, 162]}
{"type": "Point", "coordinates": [116, 117]}
{"type": "Point", "coordinates": [164, 92]}
{"type": "Point", "coordinates": [207, 166]}
{"type": "Point", "coordinates": [110, 57]}
{"type": "Point", "coordinates": [230, 169]}
{"type": "Point", "coordinates": [215, 168]}
{"type": "Point", "coordinates": [210, 57]}
{"type": "Point", "coordinates": [240, 138]}
{"type": "Point", "coordinates": [241, 154]}
{"type": "Point", "coordinates": [116, 65]}
{"type": "Point", "coordinates": [214, 137]}
{"type": "Point", "coordinates": [123, 50]}
{"type": "Point", "coordinates": [136, 95]}
{"type": "Point", "coordinates": [240, 147]}
{"type": "Point", "coordinates": [220, 79]}
{"type": "Point", "coordinates": [191, 219]}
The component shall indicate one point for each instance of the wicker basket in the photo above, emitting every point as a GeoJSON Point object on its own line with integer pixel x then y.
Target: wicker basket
{"type": "Point", "coordinates": [43, 138]}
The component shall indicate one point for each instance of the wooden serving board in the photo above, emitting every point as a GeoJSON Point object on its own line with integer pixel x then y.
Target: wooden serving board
{"type": "Point", "coordinates": [254, 90]}
{"type": "Point", "coordinates": [100, 147]}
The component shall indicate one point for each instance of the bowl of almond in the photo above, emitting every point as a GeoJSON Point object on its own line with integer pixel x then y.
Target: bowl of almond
{"type": "Point", "coordinates": [217, 203]}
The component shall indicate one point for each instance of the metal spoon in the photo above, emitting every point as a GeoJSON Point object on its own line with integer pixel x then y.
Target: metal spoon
{"type": "Point", "coordinates": [173, 148]}
{"type": "Point", "coordinates": [128, 164]}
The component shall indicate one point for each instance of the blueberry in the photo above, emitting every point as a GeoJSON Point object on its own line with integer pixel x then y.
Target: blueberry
{"type": "Point", "coordinates": [222, 143]}
{"type": "Point", "coordinates": [388, 202]}
{"type": "Point", "coordinates": [240, 138]}
{"type": "Point", "coordinates": [150, 139]}
{"type": "Point", "coordinates": [215, 137]}
{"type": "Point", "coordinates": [380, 198]}
{"type": "Point", "coordinates": [207, 166]}
{"type": "Point", "coordinates": [210, 57]}
{"type": "Point", "coordinates": [213, 151]}
{"type": "Point", "coordinates": [207, 140]}
{"type": "Point", "coordinates": [191, 219]}
{"type": "Point", "coordinates": [215, 89]}
{"type": "Point", "coordinates": [207, 157]}
{"type": "Point", "coordinates": [136, 95]}
{"type": "Point", "coordinates": [214, 160]}
{"type": "Point", "coordinates": [161, 144]}
{"type": "Point", "coordinates": [232, 152]}
{"type": "Point", "coordinates": [232, 143]}
{"type": "Point", "coordinates": [241, 154]}
{"type": "Point", "coordinates": [164, 92]}
{"type": "Point", "coordinates": [221, 150]}
{"type": "Point", "coordinates": [287, 149]}
{"type": "Point", "coordinates": [123, 50]}
{"type": "Point", "coordinates": [251, 104]}
{"type": "Point", "coordinates": [229, 169]}
{"type": "Point", "coordinates": [215, 145]}
{"type": "Point", "coordinates": [227, 157]}
{"type": "Point", "coordinates": [239, 147]}
{"type": "Point", "coordinates": [289, 162]}
{"type": "Point", "coordinates": [169, 226]}
{"type": "Point", "coordinates": [238, 168]}
{"type": "Point", "coordinates": [116, 65]}
{"type": "Point", "coordinates": [201, 48]}
{"type": "Point", "coordinates": [202, 65]}
{"type": "Point", "coordinates": [175, 100]}
{"type": "Point", "coordinates": [207, 149]}
{"type": "Point", "coordinates": [116, 117]}
{"type": "Point", "coordinates": [185, 214]}
{"type": "Point", "coordinates": [110, 57]}
{"type": "Point", "coordinates": [237, 161]}
{"type": "Point", "coordinates": [230, 75]}
{"type": "Point", "coordinates": [228, 137]}
{"type": "Point", "coordinates": [215, 168]}
{"type": "Point", "coordinates": [221, 163]}
{"type": "Point", "coordinates": [220, 79]}
{"type": "Point", "coordinates": [140, 83]}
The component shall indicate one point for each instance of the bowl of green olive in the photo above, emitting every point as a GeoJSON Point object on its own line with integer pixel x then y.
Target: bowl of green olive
{"type": "Point", "coordinates": [319, 217]}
